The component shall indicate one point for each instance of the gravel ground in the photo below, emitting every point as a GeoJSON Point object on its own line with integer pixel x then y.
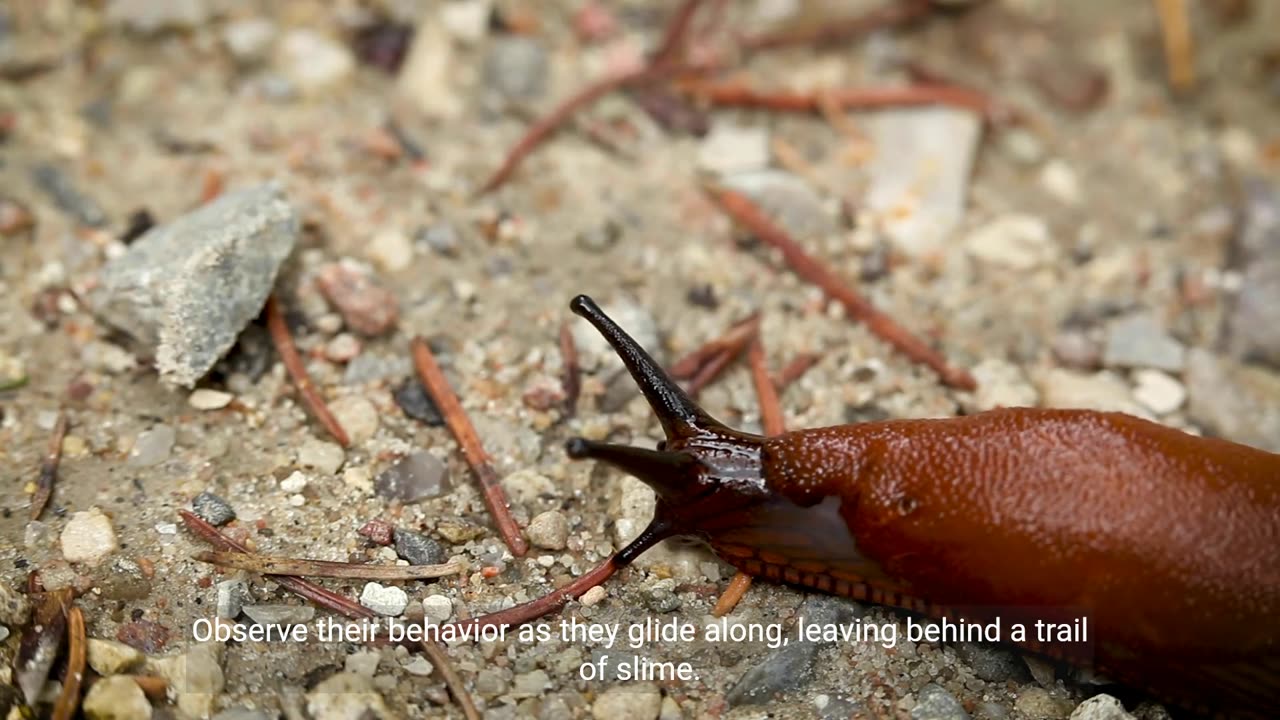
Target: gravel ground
{"type": "Point", "coordinates": [1115, 251]}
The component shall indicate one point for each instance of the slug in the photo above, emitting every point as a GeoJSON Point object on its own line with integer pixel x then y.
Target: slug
{"type": "Point", "coordinates": [1168, 543]}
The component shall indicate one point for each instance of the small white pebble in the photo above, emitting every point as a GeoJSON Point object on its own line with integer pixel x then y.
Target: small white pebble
{"type": "Point", "coordinates": [297, 500]}
{"type": "Point", "coordinates": [546, 561]}
{"type": "Point", "coordinates": [387, 600]}
{"type": "Point", "coordinates": [1157, 391]}
{"type": "Point", "coordinates": [437, 608]}
{"type": "Point", "coordinates": [206, 399]}
{"type": "Point", "coordinates": [294, 483]}
{"type": "Point", "coordinates": [418, 666]}
{"type": "Point", "coordinates": [165, 528]}
{"type": "Point", "coordinates": [593, 596]}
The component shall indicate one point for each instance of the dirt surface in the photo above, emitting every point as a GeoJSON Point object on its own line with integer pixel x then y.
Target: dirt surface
{"type": "Point", "coordinates": [1101, 207]}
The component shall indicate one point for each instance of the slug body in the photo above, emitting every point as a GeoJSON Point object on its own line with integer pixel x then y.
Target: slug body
{"type": "Point", "coordinates": [1168, 544]}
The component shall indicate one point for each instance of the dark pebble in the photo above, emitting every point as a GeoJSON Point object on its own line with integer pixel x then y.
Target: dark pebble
{"type": "Point", "coordinates": [144, 635]}
{"type": "Point", "coordinates": [67, 197]}
{"type": "Point", "coordinates": [419, 549]}
{"type": "Point", "coordinates": [379, 532]}
{"type": "Point", "coordinates": [417, 404]}
{"type": "Point", "coordinates": [383, 45]}
{"type": "Point", "coordinates": [140, 221]}
{"type": "Point", "coordinates": [213, 509]}
{"type": "Point", "coordinates": [785, 669]}
{"type": "Point", "coordinates": [992, 664]}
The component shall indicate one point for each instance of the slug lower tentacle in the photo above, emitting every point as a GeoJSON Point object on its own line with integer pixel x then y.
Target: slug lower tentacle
{"type": "Point", "coordinates": [1168, 543]}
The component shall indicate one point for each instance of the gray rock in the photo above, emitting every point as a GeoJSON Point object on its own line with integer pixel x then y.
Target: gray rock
{"type": "Point", "coordinates": [14, 606]}
{"type": "Point", "coordinates": [1140, 341]}
{"type": "Point", "coordinates": [414, 400]}
{"type": "Point", "coordinates": [55, 183]}
{"type": "Point", "coordinates": [918, 190]}
{"type": "Point", "coordinates": [152, 446]}
{"type": "Point", "coordinates": [935, 703]}
{"type": "Point", "coordinates": [516, 67]}
{"type": "Point", "coordinates": [788, 199]}
{"type": "Point", "coordinates": [990, 663]}
{"type": "Point", "coordinates": [1238, 402]}
{"type": "Point", "coordinates": [1100, 707]}
{"type": "Point", "coordinates": [414, 477]}
{"type": "Point", "coordinates": [213, 509]}
{"type": "Point", "coordinates": [116, 698]}
{"type": "Point", "coordinates": [441, 237]}
{"type": "Point", "coordinates": [230, 598]}
{"type": "Point", "coordinates": [789, 667]}
{"type": "Point", "coordinates": [187, 288]}
{"type": "Point", "coordinates": [418, 549]}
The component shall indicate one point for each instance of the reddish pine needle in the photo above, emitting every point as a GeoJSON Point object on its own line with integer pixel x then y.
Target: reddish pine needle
{"type": "Point", "coordinates": [69, 699]}
{"type": "Point", "coordinates": [795, 369]}
{"type": "Point", "coordinates": [766, 392]}
{"type": "Point", "coordinates": [735, 337]}
{"type": "Point", "coordinates": [673, 38]}
{"type": "Point", "coordinates": [736, 94]}
{"type": "Point", "coordinates": [495, 498]}
{"type": "Point", "coordinates": [570, 371]}
{"type": "Point", "coordinates": [49, 468]}
{"type": "Point", "coordinates": [857, 307]}
{"type": "Point", "coordinates": [549, 603]}
{"type": "Point", "coordinates": [283, 341]}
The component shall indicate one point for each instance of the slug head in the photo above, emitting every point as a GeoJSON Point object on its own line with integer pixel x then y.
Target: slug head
{"type": "Point", "coordinates": [702, 470]}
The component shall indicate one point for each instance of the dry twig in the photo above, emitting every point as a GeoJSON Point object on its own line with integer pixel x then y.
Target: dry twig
{"type": "Point", "coordinates": [325, 568]}
{"type": "Point", "coordinates": [69, 699]}
{"type": "Point", "coordinates": [495, 498]}
{"type": "Point", "coordinates": [49, 468]}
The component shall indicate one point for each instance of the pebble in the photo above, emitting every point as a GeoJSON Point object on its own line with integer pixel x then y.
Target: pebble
{"type": "Point", "coordinates": [280, 614]}
{"type": "Point", "coordinates": [935, 703]}
{"type": "Point", "coordinates": [69, 199]}
{"type": "Point", "coordinates": [457, 530]}
{"type": "Point", "coordinates": [108, 657]}
{"type": "Point", "coordinates": [391, 250]}
{"type": "Point", "coordinates": [206, 399]}
{"type": "Point", "coordinates": [437, 608]}
{"type": "Point", "coordinates": [418, 666]}
{"type": "Point", "coordinates": [414, 400]}
{"type": "Point", "coordinates": [88, 537]}
{"type": "Point", "coordinates": [490, 683]}
{"type": "Point", "coordinates": [152, 446]}
{"type": "Point", "coordinates": [426, 76]}
{"type": "Point", "coordinates": [419, 549]}
{"type": "Point", "coordinates": [357, 416]}
{"type": "Point", "coordinates": [1158, 392]}
{"type": "Point", "coordinates": [1075, 349]}
{"type": "Point", "coordinates": [296, 482]}
{"type": "Point", "coordinates": [1061, 181]}
{"type": "Point", "coordinates": [919, 184]}
{"type": "Point", "coordinates": [661, 597]}
{"type": "Point", "coordinates": [108, 357]}
{"type": "Point", "coordinates": [366, 306]}
{"type": "Point", "coordinates": [787, 199]}
{"type": "Point", "coordinates": [534, 683]}
{"type": "Point", "coordinates": [1101, 707]}
{"type": "Point", "coordinates": [1235, 401]}
{"type": "Point", "coordinates": [413, 478]}
{"type": "Point", "coordinates": [212, 509]}
{"type": "Point", "coordinates": [1039, 704]}
{"type": "Point", "coordinates": [231, 595]}
{"type": "Point", "coordinates": [731, 149]}
{"type": "Point", "coordinates": [249, 40]}
{"type": "Point", "coordinates": [150, 16]}
{"type": "Point", "coordinates": [363, 662]}
{"type": "Point", "coordinates": [548, 530]}
{"type": "Point", "coordinates": [379, 532]}
{"type": "Point", "coordinates": [1105, 391]}
{"type": "Point", "coordinates": [187, 288]}
{"type": "Point", "coordinates": [323, 457]}
{"type": "Point", "coordinates": [1016, 242]}
{"type": "Point", "coordinates": [343, 348]}
{"type": "Point", "coordinates": [313, 62]}
{"type": "Point", "coordinates": [516, 67]}
{"type": "Point", "coordinates": [593, 596]}
{"type": "Point", "coordinates": [387, 600]}
{"type": "Point", "coordinates": [636, 701]}
{"type": "Point", "coordinates": [441, 238]}
{"type": "Point", "coordinates": [116, 698]}
{"type": "Point", "coordinates": [345, 696]}
{"type": "Point", "coordinates": [1000, 384]}
{"type": "Point", "coordinates": [466, 20]}
{"type": "Point", "coordinates": [1140, 341]}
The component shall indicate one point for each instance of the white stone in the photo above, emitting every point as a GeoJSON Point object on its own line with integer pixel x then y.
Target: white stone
{"type": "Point", "coordinates": [633, 701]}
{"type": "Point", "coordinates": [1157, 391]}
{"type": "Point", "coordinates": [734, 148]}
{"type": "Point", "coordinates": [1060, 180]}
{"type": "Point", "coordinates": [387, 600]}
{"type": "Point", "coordinates": [437, 608]}
{"type": "Point", "coordinates": [1017, 242]}
{"type": "Point", "coordinates": [466, 20]}
{"type": "Point", "coordinates": [1000, 384]}
{"type": "Point", "coordinates": [250, 39]}
{"type": "Point", "coordinates": [108, 657]}
{"type": "Point", "coordinates": [296, 482]}
{"type": "Point", "coordinates": [323, 457]}
{"type": "Point", "coordinates": [88, 537]}
{"type": "Point", "coordinates": [426, 77]}
{"type": "Point", "coordinates": [358, 417]}
{"type": "Point", "coordinates": [347, 696]}
{"type": "Point", "coordinates": [116, 698]}
{"type": "Point", "coordinates": [313, 62]}
{"type": "Point", "coordinates": [206, 399]}
{"type": "Point", "coordinates": [418, 666]}
{"type": "Point", "coordinates": [363, 662]}
{"type": "Point", "coordinates": [391, 249]}
{"type": "Point", "coordinates": [593, 596]}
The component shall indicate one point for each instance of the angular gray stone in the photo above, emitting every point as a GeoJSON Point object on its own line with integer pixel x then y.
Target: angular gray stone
{"type": "Point", "coordinates": [790, 666]}
{"type": "Point", "coordinates": [1140, 341]}
{"type": "Point", "coordinates": [414, 477]}
{"type": "Point", "coordinates": [516, 67]}
{"type": "Point", "coordinates": [186, 289]}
